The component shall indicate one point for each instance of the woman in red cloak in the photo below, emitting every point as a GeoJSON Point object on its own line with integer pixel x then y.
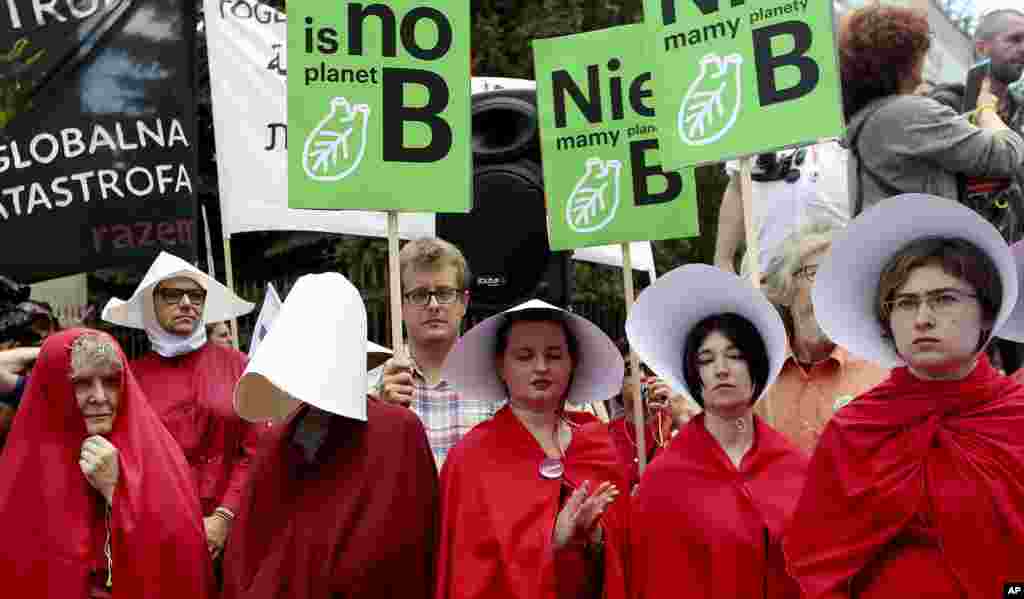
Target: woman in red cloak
{"type": "Point", "coordinates": [916, 488]}
{"type": "Point", "coordinates": [528, 498]}
{"type": "Point", "coordinates": [709, 514]}
{"type": "Point", "coordinates": [95, 495]}
{"type": "Point", "coordinates": [343, 499]}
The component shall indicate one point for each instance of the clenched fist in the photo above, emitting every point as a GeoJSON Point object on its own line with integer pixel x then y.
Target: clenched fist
{"type": "Point", "coordinates": [396, 382]}
{"type": "Point", "coordinates": [99, 463]}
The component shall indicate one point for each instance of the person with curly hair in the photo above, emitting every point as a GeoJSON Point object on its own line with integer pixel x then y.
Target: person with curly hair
{"type": "Point", "coordinates": [902, 142]}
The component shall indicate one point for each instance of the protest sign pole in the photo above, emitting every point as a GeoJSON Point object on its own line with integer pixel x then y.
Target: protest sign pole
{"type": "Point", "coordinates": [229, 279]}
{"type": "Point", "coordinates": [210, 270]}
{"type": "Point", "coordinates": [765, 407]}
{"type": "Point", "coordinates": [395, 282]}
{"type": "Point", "coordinates": [634, 363]}
{"type": "Point", "coordinates": [747, 196]}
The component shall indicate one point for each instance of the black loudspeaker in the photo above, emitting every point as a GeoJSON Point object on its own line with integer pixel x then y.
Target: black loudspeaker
{"type": "Point", "coordinates": [505, 238]}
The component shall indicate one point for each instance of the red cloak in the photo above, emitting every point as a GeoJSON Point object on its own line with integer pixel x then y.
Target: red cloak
{"type": "Point", "coordinates": [193, 394]}
{"type": "Point", "coordinates": [360, 521]}
{"type": "Point", "coordinates": [498, 514]}
{"type": "Point", "coordinates": [623, 433]}
{"type": "Point", "coordinates": [702, 528]}
{"type": "Point", "coordinates": [916, 489]}
{"type": "Point", "coordinates": [54, 529]}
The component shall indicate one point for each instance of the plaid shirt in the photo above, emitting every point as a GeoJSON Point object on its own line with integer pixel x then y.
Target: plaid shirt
{"type": "Point", "coordinates": [445, 415]}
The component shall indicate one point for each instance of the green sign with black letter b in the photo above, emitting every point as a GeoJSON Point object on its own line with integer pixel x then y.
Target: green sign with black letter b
{"type": "Point", "coordinates": [602, 167]}
{"type": "Point", "coordinates": [738, 77]}
{"type": "Point", "coordinates": [378, 106]}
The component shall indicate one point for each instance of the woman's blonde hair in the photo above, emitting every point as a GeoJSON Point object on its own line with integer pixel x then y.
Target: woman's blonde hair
{"type": "Point", "coordinates": [780, 275]}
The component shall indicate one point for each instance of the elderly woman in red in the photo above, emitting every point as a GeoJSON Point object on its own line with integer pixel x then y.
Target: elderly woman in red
{"type": "Point", "coordinates": [529, 502]}
{"type": "Point", "coordinates": [95, 495]}
{"type": "Point", "coordinates": [917, 486]}
{"type": "Point", "coordinates": [709, 513]}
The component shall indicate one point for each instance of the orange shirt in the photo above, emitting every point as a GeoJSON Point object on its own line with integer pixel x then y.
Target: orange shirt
{"type": "Point", "coordinates": [801, 401]}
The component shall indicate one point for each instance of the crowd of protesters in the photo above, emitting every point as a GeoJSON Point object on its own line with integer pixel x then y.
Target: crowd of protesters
{"type": "Point", "coordinates": [852, 428]}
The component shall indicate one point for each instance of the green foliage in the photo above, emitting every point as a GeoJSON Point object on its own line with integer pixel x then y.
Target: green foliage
{"type": "Point", "coordinates": [668, 254]}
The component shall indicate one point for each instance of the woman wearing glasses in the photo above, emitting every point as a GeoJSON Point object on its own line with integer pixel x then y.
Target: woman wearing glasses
{"type": "Point", "coordinates": [709, 514]}
{"type": "Point", "coordinates": [917, 486]}
{"type": "Point", "coordinates": [530, 504]}
{"type": "Point", "coordinates": [190, 382]}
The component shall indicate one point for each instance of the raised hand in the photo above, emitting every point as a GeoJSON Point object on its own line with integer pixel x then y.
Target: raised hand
{"type": "Point", "coordinates": [99, 462]}
{"type": "Point", "coordinates": [578, 521]}
{"type": "Point", "coordinates": [396, 382]}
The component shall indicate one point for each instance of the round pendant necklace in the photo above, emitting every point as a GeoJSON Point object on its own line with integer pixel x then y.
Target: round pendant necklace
{"type": "Point", "coordinates": [551, 468]}
{"type": "Point", "coordinates": [740, 425]}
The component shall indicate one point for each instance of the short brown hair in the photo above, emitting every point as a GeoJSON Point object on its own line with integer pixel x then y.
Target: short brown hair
{"type": "Point", "coordinates": [957, 257]}
{"type": "Point", "coordinates": [878, 48]}
{"type": "Point", "coordinates": [430, 254]}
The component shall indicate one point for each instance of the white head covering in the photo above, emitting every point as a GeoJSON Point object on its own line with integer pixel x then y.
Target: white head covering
{"type": "Point", "coordinates": [597, 375]}
{"type": "Point", "coordinates": [846, 285]}
{"type": "Point", "coordinates": [315, 352]}
{"type": "Point", "coordinates": [138, 312]}
{"type": "Point", "coordinates": [673, 305]}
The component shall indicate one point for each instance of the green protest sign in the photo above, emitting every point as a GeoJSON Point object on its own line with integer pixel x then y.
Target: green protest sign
{"type": "Point", "coordinates": [602, 171]}
{"type": "Point", "coordinates": [738, 77]}
{"type": "Point", "coordinates": [378, 106]}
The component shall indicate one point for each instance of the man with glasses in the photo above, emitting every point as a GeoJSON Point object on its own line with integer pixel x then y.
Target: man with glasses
{"type": "Point", "coordinates": [818, 377]}
{"type": "Point", "coordinates": [434, 301]}
{"type": "Point", "coordinates": [190, 382]}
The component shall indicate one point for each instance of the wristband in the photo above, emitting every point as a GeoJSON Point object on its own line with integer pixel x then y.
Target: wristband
{"type": "Point", "coordinates": [983, 108]}
{"type": "Point", "coordinates": [225, 514]}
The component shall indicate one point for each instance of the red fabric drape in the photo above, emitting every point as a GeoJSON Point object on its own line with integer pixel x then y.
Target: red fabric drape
{"type": "Point", "coordinates": [193, 394]}
{"type": "Point", "coordinates": [703, 528]}
{"type": "Point", "coordinates": [623, 433]}
{"type": "Point", "coordinates": [498, 514]}
{"type": "Point", "coordinates": [910, 460]}
{"type": "Point", "coordinates": [360, 521]}
{"type": "Point", "coordinates": [53, 519]}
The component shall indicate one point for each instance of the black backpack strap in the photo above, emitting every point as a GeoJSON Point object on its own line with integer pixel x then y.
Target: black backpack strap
{"type": "Point", "coordinates": [886, 187]}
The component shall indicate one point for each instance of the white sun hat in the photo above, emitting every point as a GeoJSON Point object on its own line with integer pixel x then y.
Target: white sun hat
{"type": "Point", "coordinates": [221, 303]}
{"type": "Point", "coordinates": [674, 304]}
{"type": "Point", "coordinates": [596, 377]}
{"type": "Point", "coordinates": [846, 284]}
{"type": "Point", "coordinates": [1014, 327]}
{"type": "Point", "coordinates": [316, 352]}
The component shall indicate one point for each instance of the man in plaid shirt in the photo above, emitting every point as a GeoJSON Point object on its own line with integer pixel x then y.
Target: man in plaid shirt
{"type": "Point", "coordinates": [434, 301]}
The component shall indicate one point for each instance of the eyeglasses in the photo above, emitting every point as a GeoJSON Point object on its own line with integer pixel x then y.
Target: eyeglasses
{"type": "Point", "coordinates": [807, 273]}
{"type": "Point", "coordinates": [421, 297]}
{"type": "Point", "coordinates": [172, 296]}
{"type": "Point", "coordinates": [942, 302]}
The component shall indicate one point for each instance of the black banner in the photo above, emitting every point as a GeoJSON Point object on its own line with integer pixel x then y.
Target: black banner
{"type": "Point", "coordinates": [97, 134]}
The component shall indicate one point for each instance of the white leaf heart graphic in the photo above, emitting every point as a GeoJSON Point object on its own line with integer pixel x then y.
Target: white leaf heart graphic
{"type": "Point", "coordinates": [328, 154]}
{"type": "Point", "coordinates": [595, 199]}
{"type": "Point", "coordinates": [702, 115]}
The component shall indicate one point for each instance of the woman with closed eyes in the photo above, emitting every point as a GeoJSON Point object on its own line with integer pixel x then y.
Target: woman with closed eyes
{"type": "Point", "coordinates": [709, 514]}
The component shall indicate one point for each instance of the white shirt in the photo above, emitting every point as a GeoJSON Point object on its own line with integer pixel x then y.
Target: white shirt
{"type": "Point", "coordinates": [819, 195]}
